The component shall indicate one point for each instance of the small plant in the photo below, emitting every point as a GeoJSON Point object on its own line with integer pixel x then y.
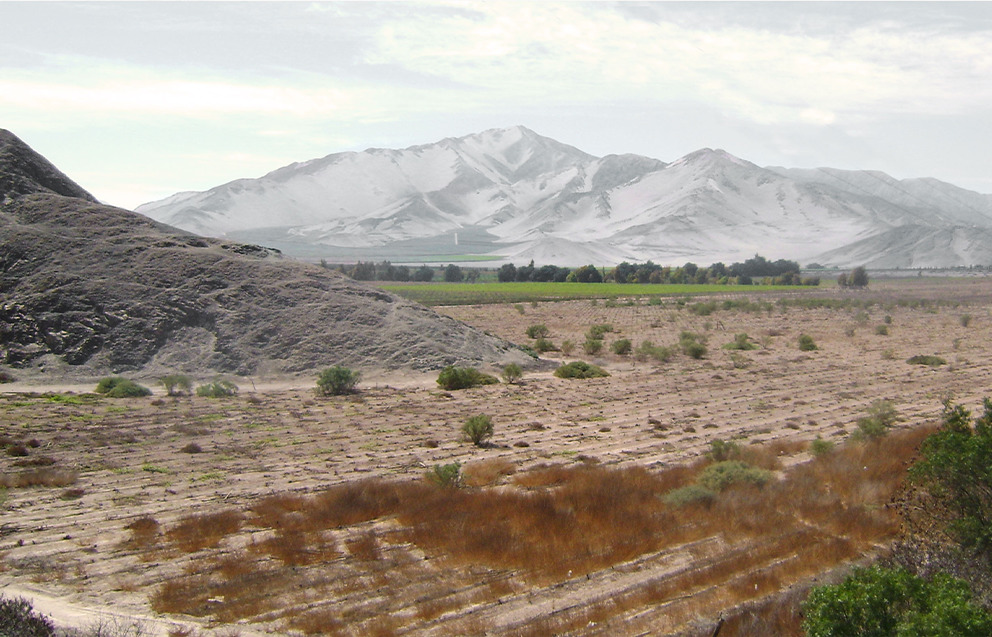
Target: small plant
{"type": "Point", "coordinates": [538, 331]}
{"type": "Point", "coordinates": [512, 373]}
{"type": "Point", "coordinates": [926, 359]}
{"type": "Point", "coordinates": [217, 389]}
{"type": "Point", "coordinates": [337, 381]}
{"type": "Point", "coordinates": [820, 447]}
{"type": "Point", "coordinates": [621, 347]}
{"type": "Point", "coordinates": [888, 354]}
{"type": "Point", "coordinates": [806, 343]}
{"type": "Point", "coordinates": [965, 320]}
{"type": "Point", "coordinates": [192, 448]}
{"type": "Point", "coordinates": [446, 475]}
{"type": "Point", "coordinates": [689, 494]}
{"type": "Point", "coordinates": [739, 361]}
{"type": "Point", "coordinates": [592, 346]}
{"type": "Point", "coordinates": [544, 345]}
{"type": "Point", "coordinates": [882, 330]}
{"type": "Point", "coordinates": [452, 378]}
{"type": "Point", "coordinates": [741, 342]}
{"type": "Point", "coordinates": [647, 350]}
{"type": "Point", "coordinates": [881, 416]}
{"type": "Point", "coordinates": [118, 387]}
{"type": "Point", "coordinates": [720, 475]}
{"type": "Point", "coordinates": [520, 309]}
{"type": "Point", "coordinates": [19, 619]}
{"type": "Point", "coordinates": [597, 331]}
{"type": "Point", "coordinates": [478, 429]}
{"type": "Point", "coordinates": [176, 384]}
{"type": "Point", "coordinates": [692, 345]}
{"type": "Point", "coordinates": [721, 450]}
{"type": "Point", "coordinates": [567, 347]}
{"type": "Point", "coordinates": [580, 369]}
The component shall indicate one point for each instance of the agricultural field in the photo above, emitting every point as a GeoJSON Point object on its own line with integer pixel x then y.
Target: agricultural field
{"type": "Point", "coordinates": [684, 487]}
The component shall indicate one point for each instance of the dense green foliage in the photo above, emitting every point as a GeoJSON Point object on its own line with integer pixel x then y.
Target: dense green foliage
{"type": "Point", "coordinates": [882, 602]}
{"type": "Point", "coordinates": [806, 343]}
{"type": "Point", "coordinates": [692, 345]}
{"type": "Point", "coordinates": [621, 347]}
{"type": "Point", "coordinates": [446, 475]}
{"type": "Point", "coordinates": [452, 377]}
{"type": "Point", "coordinates": [177, 384]}
{"type": "Point", "coordinates": [580, 369]}
{"type": "Point", "coordinates": [478, 428]}
{"type": "Point", "coordinates": [956, 467]}
{"type": "Point", "coordinates": [217, 389]}
{"type": "Point", "coordinates": [881, 416]}
{"type": "Point", "coordinates": [337, 380]}
{"type": "Point", "coordinates": [538, 331]}
{"type": "Point", "coordinates": [720, 475]}
{"type": "Point", "coordinates": [926, 359]}
{"type": "Point", "coordinates": [512, 373]}
{"type": "Point", "coordinates": [19, 619]}
{"type": "Point", "coordinates": [118, 387]}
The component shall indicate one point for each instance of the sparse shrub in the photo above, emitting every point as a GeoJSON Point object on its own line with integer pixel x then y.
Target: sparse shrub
{"type": "Point", "coordinates": [192, 448]}
{"type": "Point", "coordinates": [176, 384]}
{"type": "Point", "coordinates": [660, 353]}
{"type": "Point", "coordinates": [337, 380]}
{"type": "Point", "coordinates": [118, 387]}
{"type": "Point", "coordinates": [806, 343]}
{"type": "Point", "coordinates": [537, 331]}
{"type": "Point", "coordinates": [692, 345]}
{"type": "Point", "coordinates": [741, 342]}
{"type": "Point", "coordinates": [580, 369]}
{"type": "Point", "coordinates": [217, 389]}
{"type": "Point", "coordinates": [738, 360]}
{"type": "Point", "coordinates": [446, 475]}
{"type": "Point", "coordinates": [597, 331]}
{"type": "Point", "coordinates": [519, 308]}
{"type": "Point", "coordinates": [592, 346]}
{"type": "Point", "coordinates": [820, 447]}
{"type": "Point", "coordinates": [887, 319]}
{"type": "Point", "coordinates": [512, 373]}
{"type": "Point", "coordinates": [926, 359]}
{"type": "Point", "coordinates": [881, 416]}
{"type": "Point", "coordinates": [621, 347]}
{"type": "Point", "coordinates": [19, 619]}
{"type": "Point", "coordinates": [689, 494]}
{"type": "Point", "coordinates": [478, 429]}
{"type": "Point", "coordinates": [882, 330]}
{"type": "Point", "coordinates": [544, 345]}
{"type": "Point", "coordinates": [721, 450]}
{"type": "Point", "coordinates": [567, 347]}
{"type": "Point", "coordinates": [720, 475]}
{"type": "Point", "coordinates": [888, 354]}
{"type": "Point", "coordinates": [964, 319]}
{"type": "Point", "coordinates": [452, 378]}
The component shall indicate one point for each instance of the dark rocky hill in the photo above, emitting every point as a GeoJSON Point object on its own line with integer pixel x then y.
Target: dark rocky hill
{"type": "Point", "coordinates": [87, 289]}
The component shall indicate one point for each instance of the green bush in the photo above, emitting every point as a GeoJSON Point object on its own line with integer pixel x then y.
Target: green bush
{"type": "Point", "coordinates": [692, 345]}
{"type": "Point", "coordinates": [118, 387]}
{"type": "Point", "coordinates": [926, 359]}
{"type": "Point", "coordinates": [478, 428]}
{"type": "Point", "coordinates": [544, 345]}
{"type": "Point", "coordinates": [176, 384]}
{"type": "Point", "coordinates": [512, 373]}
{"type": "Point", "coordinates": [689, 494]}
{"type": "Point", "coordinates": [884, 602]}
{"type": "Point", "coordinates": [647, 350]}
{"type": "Point", "coordinates": [337, 380]}
{"type": "Point", "coordinates": [580, 369]}
{"type": "Point", "coordinates": [217, 389]}
{"type": "Point", "coordinates": [537, 331]}
{"type": "Point", "coordinates": [567, 347]}
{"type": "Point", "coordinates": [19, 619]}
{"type": "Point", "coordinates": [806, 343]}
{"type": "Point", "coordinates": [741, 342]}
{"type": "Point", "coordinates": [720, 475]}
{"type": "Point", "coordinates": [621, 347]}
{"type": "Point", "coordinates": [446, 475]}
{"type": "Point", "coordinates": [965, 320]}
{"type": "Point", "coordinates": [598, 331]}
{"type": "Point", "coordinates": [452, 377]}
{"type": "Point", "coordinates": [721, 450]}
{"type": "Point", "coordinates": [820, 447]}
{"type": "Point", "coordinates": [592, 346]}
{"type": "Point", "coordinates": [881, 416]}
{"type": "Point", "coordinates": [882, 330]}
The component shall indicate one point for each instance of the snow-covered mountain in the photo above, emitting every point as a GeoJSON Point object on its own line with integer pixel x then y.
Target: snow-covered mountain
{"type": "Point", "coordinates": [513, 193]}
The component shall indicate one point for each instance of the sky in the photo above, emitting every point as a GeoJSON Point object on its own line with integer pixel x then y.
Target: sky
{"type": "Point", "coordinates": [136, 101]}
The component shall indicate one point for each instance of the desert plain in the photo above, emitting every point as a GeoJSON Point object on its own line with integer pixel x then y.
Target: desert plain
{"type": "Point", "coordinates": [278, 511]}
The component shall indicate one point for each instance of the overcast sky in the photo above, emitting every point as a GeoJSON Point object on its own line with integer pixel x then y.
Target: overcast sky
{"type": "Point", "coordinates": [136, 101]}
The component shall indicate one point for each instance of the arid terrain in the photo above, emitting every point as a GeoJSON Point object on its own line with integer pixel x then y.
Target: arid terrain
{"type": "Point", "coordinates": [281, 512]}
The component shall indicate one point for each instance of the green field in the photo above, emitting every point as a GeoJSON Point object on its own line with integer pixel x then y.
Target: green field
{"type": "Point", "coordinates": [516, 292]}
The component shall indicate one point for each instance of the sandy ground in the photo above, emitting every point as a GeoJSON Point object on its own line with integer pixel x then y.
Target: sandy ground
{"type": "Point", "coordinates": [66, 550]}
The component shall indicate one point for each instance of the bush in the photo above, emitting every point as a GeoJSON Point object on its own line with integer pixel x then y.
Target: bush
{"type": "Point", "coordinates": [217, 389]}
{"type": "Point", "coordinates": [446, 475]}
{"type": "Point", "coordinates": [806, 343]}
{"type": "Point", "coordinates": [965, 320]}
{"type": "Point", "coordinates": [881, 416]}
{"type": "Point", "coordinates": [478, 428]}
{"type": "Point", "coordinates": [176, 384]}
{"type": "Point", "coordinates": [337, 380]}
{"type": "Point", "coordinates": [820, 447]}
{"type": "Point", "coordinates": [880, 602]}
{"type": "Point", "coordinates": [882, 330]}
{"type": "Point", "coordinates": [567, 347]}
{"type": "Point", "coordinates": [741, 342]}
{"type": "Point", "coordinates": [118, 387]}
{"type": "Point", "coordinates": [544, 345]}
{"type": "Point", "coordinates": [925, 359]}
{"type": "Point", "coordinates": [647, 350]}
{"type": "Point", "coordinates": [19, 619]}
{"type": "Point", "coordinates": [537, 331]}
{"type": "Point", "coordinates": [720, 475]}
{"type": "Point", "coordinates": [721, 450]}
{"type": "Point", "coordinates": [580, 369]}
{"type": "Point", "coordinates": [692, 345]}
{"type": "Point", "coordinates": [452, 377]}
{"type": "Point", "coordinates": [621, 347]}
{"type": "Point", "coordinates": [592, 346]}
{"type": "Point", "coordinates": [689, 494]}
{"type": "Point", "coordinates": [597, 331]}
{"type": "Point", "coordinates": [512, 373]}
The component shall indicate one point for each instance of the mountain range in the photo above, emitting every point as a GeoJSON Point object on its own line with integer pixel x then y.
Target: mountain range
{"type": "Point", "coordinates": [516, 195]}
{"type": "Point", "coordinates": [88, 289]}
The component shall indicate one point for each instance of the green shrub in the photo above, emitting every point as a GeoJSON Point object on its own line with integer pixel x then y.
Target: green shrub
{"type": "Point", "coordinates": [217, 389]}
{"type": "Point", "coordinates": [965, 320]}
{"type": "Point", "coordinates": [692, 345]}
{"type": "Point", "coordinates": [721, 450]}
{"type": "Point", "coordinates": [567, 347]}
{"type": "Point", "coordinates": [597, 331]}
{"type": "Point", "coordinates": [882, 330]}
{"type": "Point", "coordinates": [926, 359]}
{"type": "Point", "coordinates": [176, 384]}
{"type": "Point", "coordinates": [446, 475]}
{"type": "Point", "coordinates": [452, 377]}
{"type": "Point", "coordinates": [621, 347]}
{"type": "Point", "coordinates": [741, 342]}
{"type": "Point", "coordinates": [537, 331]}
{"type": "Point", "coordinates": [820, 447]}
{"type": "Point", "coordinates": [544, 345]}
{"type": "Point", "coordinates": [883, 602]}
{"type": "Point", "coordinates": [478, 428]}
{"type": "Point", "coordinates": [337, 380]}
{"type": "Point", "coordinates": [118, 387]}
{"type": "Point", "coordinates": [512, 373]}
{"type": "Point", "coordinates": [19, 619]}
{"type": "Point", "coordinates": [647, 350]}
{"type": "Point", "coordinates": [592, 346]}
{"type": "Point", "coordinates": [720, 475]}
{"type": "Point", "coordinates": [689, 494]}
{"type": "Point", "coordinates": [881, 416]}
{"type": "Point", "coordinates": [580, 369]}
{"type": "Point", "coordinates": [806, 343]}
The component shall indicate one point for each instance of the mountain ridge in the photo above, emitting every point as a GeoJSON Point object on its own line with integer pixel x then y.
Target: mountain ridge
{"type": "Point", "coordinates": [532, 195]}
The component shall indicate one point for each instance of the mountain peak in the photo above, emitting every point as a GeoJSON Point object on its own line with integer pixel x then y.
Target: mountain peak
{"type": "Point", "coordinates": [24, 172]}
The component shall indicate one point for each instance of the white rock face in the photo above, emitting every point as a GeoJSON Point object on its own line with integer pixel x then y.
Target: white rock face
{"type": "Point", "coordinates": [522, 196]}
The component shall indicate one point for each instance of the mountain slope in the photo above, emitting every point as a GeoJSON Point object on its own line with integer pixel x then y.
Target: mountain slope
{"type": "Point", "coordinates": [532, 197]}
{"type": "Point", "coordinates": [95, 289]}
